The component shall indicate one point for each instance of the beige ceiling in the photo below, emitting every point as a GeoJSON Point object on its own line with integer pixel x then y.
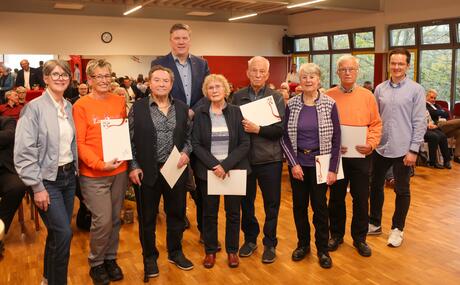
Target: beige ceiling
{"type": "Point", "coordinates": [270, 11]}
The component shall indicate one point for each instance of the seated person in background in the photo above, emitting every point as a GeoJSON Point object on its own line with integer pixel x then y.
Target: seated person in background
{"type": "Point", "coordinates": [435, 137]}
{"type": "Point", "coordinates": [368, 85]}
{"type": "Point", "coordinates": [123, 93]}
{"type": "Point", "coordinates": [82, 91]}
{"type": "Point", "coordinates": [132, 90]}
{"type": "Point", "coordinates": [450, 128]}
{"type": "Point", "coordinates": [11, 108]}
{"type": "Point", "coordinates": [298, 91]}
{"type": "Point", "coordinates": [22, 92]}
{"type": "Point", "coordinates": [11, 187]}
{"type": "Point", "coordinates": [114, 85]}
{"type": "Point", "coordinates": [6, 82]}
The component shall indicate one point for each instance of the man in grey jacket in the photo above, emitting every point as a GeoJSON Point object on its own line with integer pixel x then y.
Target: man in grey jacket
{"type": "Point", "coordinates": [265, 157]}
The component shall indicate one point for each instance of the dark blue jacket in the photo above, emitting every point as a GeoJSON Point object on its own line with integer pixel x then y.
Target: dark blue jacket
{"type": "Point", "coordinates": [200, 70]}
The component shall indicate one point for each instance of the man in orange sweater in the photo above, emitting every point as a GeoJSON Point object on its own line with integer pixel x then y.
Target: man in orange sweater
{"type": "Point", "coordinates": [103, 184]}
{"type": "Point", "coordinates": [357, 107]}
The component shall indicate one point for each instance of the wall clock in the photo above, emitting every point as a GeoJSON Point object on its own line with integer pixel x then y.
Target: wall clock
{"type": "Point", "coordinates": [106, 37]}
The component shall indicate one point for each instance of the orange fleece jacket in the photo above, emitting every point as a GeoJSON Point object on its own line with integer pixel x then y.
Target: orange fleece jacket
{"type": "Point", "coordinates": [87, 113]}
{"type": "Point", "coordinates": [359, 108]}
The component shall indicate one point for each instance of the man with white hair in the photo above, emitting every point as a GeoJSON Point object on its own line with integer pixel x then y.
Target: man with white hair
{"type": "Point", "coordinates": [357, 107]}
{"type": "Point", "coordinates": [29, 77]}
{"type": "Point", "coordinates": [265, 157]}
{"type": "Point", "coordinates": [6, 82]}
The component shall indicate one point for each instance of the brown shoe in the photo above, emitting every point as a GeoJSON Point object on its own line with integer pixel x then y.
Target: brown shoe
{"type": "Point", "coordinates": [209, 260]}
{"type": "Point", "coordinates": [233, 260]}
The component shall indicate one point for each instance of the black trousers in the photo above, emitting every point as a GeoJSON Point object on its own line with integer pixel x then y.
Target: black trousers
{"type": "Point", "coordinates": [402, 182]}
{"type": "Point", "coordinates": [356, 173]}
{"type": "Point", "coordinates": [210, 218]}
{"type": "Point", "coordinates": [302, 192]}
{"type": "Point", "coordinates": [195, 193]}
{"type": "Point", "coordinates": [436, 138]}
{"type": "Point", "coordinates": [269, 178]}
{"type": "Point", "coordinates": [12, 190]}
{"type": "Point", "coordinates": [148, 198]}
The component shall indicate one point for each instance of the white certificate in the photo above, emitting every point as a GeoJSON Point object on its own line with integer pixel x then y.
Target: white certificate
{"type": "Point", "coordinates": [169, 170]}
{"type": "Point", "coordinates": [351, 137]}
{"type": "Point", "coordinates": [322, 168]}
{"type": "Point", "coordinates": [115, 140]}
{"type": "Point", "coordinates": [235, 184]}
{"type": "Point", "coordinates": [262, 112]}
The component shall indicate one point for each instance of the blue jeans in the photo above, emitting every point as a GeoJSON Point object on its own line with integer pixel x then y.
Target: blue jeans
{"type": "Point", "coordinates": [57, 220]}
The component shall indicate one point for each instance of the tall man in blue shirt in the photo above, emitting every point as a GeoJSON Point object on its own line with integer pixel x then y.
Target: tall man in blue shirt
{"type": "Point", "coordinates": [189, 73]}
{"type": "Point", "coordinates": [402, 109]}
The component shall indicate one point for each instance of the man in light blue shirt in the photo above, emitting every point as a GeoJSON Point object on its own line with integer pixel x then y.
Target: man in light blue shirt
{"type": "Point", "coordinates": [402, 109]}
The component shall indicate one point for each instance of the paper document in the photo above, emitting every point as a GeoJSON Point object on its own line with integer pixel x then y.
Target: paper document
{"type": "Point", "coordinates": [262, 112]}
{"type": "Point", "coordinates": [116, 142]}
{"type": "Point", "coordinates": [169, 170]}
{"type": "Point", "coordinates": [235, 184]}
{"type": "Point", "coordinates": [322, 168]}
{"type": "Point", "coordinates": [351, 137]}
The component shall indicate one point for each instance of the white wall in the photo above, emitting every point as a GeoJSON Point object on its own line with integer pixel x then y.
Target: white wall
{"type": "Point", "coordinates": [393, 12]}
{"type": "Point", "coordinates": [131, 66]}
{"type": "Point", "coordinates": [59, 34]}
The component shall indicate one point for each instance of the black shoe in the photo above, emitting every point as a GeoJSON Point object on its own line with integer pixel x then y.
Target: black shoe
{"type": "Point", "coordinates": [113, 270]}
{"type": "Point", "coordinates": [247, 249]}
{"type": "Point", "coordinates": [363, 248]}
{"type": "Point", "coordinates": [187, 223]}
{"type": "Point", "coordinates": [181, 261]}
{"type": "Point", "coordinates": [99, 275]}
{"type": "Point", "coordinates": [150, 268]}
{"type": "Point", "coordinates": [457, 159]}
{"type": "Point", "coordinates": [325, 260]}
{"type": "Point", "coordinates": [437, 166]}
{"type": "Point", "coordinates": [333, 243]}
{"type": "Point", "coordinates": [300, 252]}
{"type": "Point", "coordinates": [269, 254]}
{"type": "Point", "coordinates": [447, 165]}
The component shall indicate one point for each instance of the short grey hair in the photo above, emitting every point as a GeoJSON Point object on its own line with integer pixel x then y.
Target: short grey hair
{"type": "Point", "coordinates": [51, 64]}
{"type": "Point", "coordinates": [310, 68]}
{"type": "Point", "coordinates": [94, 63]}
{"type": "Point", "coordinates": [347, 57]}
{"type": "Point", "coordinates": [259, 58]}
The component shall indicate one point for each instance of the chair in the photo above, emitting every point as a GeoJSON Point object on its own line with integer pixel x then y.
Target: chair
{"type": "Point", "coordinates": [456, 111]}
{"type": "Point", "coordinates": [33, 213]}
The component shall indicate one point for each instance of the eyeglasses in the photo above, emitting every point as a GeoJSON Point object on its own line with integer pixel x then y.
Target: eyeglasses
{"type": "Point", "coordinates": [57, 76]}
{"type": "Point", "coordinates": [101, 77]}
{"type": "Point", "coordinates": [345, 70]}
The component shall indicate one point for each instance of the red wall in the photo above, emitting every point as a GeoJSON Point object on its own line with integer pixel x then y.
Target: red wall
{"type": "Point", "coordinates": [234, 69]}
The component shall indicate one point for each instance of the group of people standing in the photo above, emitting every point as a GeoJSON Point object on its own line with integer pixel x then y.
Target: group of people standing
{"type": "Point", "coordinates": [187, 110]}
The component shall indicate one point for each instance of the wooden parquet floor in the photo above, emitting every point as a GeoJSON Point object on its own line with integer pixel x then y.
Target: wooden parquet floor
{"type": "Point", "coordinates": [430, 253]}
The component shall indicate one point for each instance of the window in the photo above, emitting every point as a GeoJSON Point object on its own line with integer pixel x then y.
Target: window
{"type": "Point", "coordinates": [434, 48]}
{"type": "Point", "coordinates": [457, 82]}
{"type": "Point", "coordinates": [299, 60]}
{"type": "Point", "coordinates": [366, 68]}
{"type": "Point", "coordinates": [12, 60]}
{"type": "Point", "coordinates": [436, 71]}
{"type": "Point", "coordinates": [402, 37]}
{"type": "Point", "coordinates": [340, 42]}
{"type": "Point", "coordinates": [436, 34]}
{"type": "Point", "coordinates": [324, 62]}
{"type": "Point", "coordinates": [301, 45]}
{"type": "Point", "coordinates": [320, 43]}
{"type": "Point", "coordinates": [364, 40]}
{"type": "Point", "coordinates": [335, 78]}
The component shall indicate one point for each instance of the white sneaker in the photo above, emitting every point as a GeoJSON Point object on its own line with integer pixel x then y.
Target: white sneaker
{"type": "Point", "coordinates": [396, 237]}
{"type": "Point", "coordinates": [374, 230]}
